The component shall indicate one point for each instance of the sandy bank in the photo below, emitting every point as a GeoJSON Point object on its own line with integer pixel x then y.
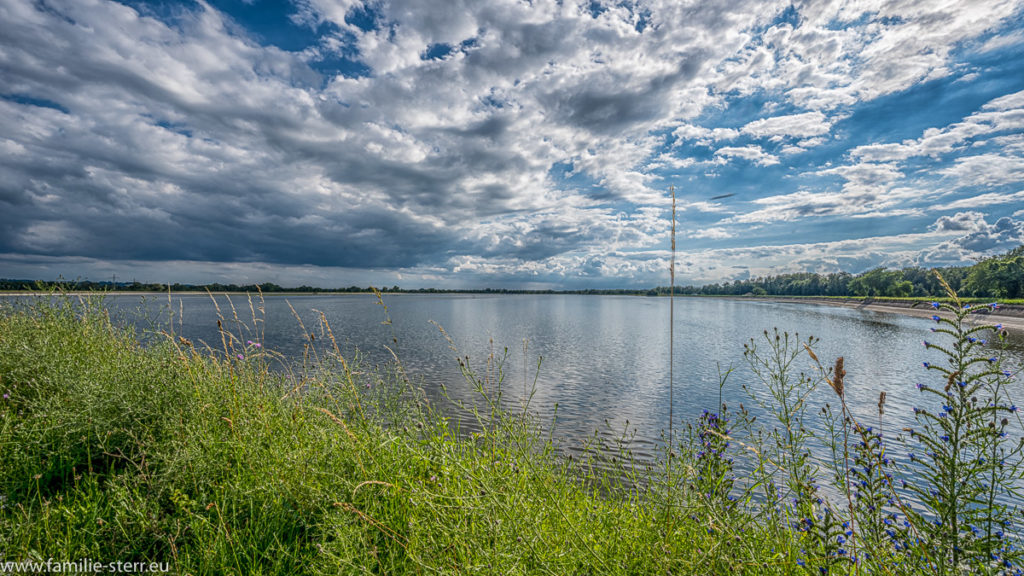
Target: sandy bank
{"type": "Point", "coordinates": [1010, 316]}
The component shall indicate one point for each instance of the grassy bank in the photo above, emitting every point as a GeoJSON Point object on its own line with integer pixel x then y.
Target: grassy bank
{"type": "Point", "coordinates": [214, 464]}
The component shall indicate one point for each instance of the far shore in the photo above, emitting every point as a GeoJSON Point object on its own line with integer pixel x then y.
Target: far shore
{"type": "Point", "coordinates": [1011, 316]}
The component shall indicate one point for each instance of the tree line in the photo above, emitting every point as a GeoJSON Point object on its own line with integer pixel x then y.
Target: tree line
{"type": "Point", "coordinates": [996, 277]}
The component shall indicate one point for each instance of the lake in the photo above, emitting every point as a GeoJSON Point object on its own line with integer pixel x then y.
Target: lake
{"type": "Point", "coordinates": [605, 358]}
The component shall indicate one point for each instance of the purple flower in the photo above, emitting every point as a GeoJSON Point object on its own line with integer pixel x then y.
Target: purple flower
{"type": "Point", "coordinates": [257, 344]}
{"type": "Point", "coordinates": [240, 357]}
{"type": "Point", "coordinates": [7, 396]}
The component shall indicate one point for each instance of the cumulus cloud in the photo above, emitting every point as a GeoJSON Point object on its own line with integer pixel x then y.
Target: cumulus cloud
{"type": "Point", "coordinates": [960, 222]}
{"type": "Point", "coordinates": [975, 238]}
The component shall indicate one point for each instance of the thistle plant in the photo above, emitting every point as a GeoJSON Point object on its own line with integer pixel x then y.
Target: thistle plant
{"type": "Point", "coordinates": [786, 447]}
{"type": "Point", "coordinates": [968, 465]}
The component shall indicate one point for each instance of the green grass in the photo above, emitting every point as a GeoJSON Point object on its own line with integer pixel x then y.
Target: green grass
{"type": "Point", "coordinates": [217, 465]}
{"type": "Point", "coordinates": [112, 451]}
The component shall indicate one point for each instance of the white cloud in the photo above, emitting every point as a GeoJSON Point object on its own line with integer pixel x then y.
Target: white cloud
{"type": "Point", "coordinates": [750, 153]}
{"type": "Point", "coordinates": [980, 200]}
{"type": "Point", "coordinates": [961, 222]}
{"type": "Point", "coordinates": [804, 125]}
{"type": "Point", "coordinates": [713, 233]}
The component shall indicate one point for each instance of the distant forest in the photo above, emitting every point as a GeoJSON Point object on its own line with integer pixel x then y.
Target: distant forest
{"type": "Point", "coordinates": [996, 277]}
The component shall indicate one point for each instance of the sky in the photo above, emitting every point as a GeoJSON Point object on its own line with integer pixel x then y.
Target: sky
{"type": "Point", "coordinates": [505, 143]}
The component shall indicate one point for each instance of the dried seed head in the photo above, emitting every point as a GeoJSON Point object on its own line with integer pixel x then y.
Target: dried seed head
{"type": "Point", "coordinates": [881, 403]}
{"type": "Point", "coordinates": [837, 377]}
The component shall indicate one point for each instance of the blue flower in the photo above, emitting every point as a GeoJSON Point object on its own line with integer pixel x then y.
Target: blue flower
{"type": "Point", "coordinates": [935, 305]}
{"type": "Point", "coordinates": [936, 318]}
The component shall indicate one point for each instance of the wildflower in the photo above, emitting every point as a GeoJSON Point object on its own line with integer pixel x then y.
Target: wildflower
{"type": "Point", "coordinates": [936, 318]}
{"type": "Point", "coordinates": [993, 359]}
{"type": "Point", "coordinates": [994, 305]}
{"type": "Point", "coordinates": [240, 357]}
{"type": "Point", "coordinates": [935, 305]}
{"type": "Point", "coordinates": [925, 364]}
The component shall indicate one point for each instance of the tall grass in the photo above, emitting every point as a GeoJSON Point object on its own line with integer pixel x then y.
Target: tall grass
{"type": "Point", "coordinates": [213, 462]}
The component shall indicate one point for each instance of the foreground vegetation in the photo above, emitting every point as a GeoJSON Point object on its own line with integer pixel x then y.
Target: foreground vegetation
{"type": "Point", "coordinates": [214, 464]}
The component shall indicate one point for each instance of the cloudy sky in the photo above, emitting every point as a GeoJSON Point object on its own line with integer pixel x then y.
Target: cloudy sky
{"type": "Point", "coordinates": [505, 142]}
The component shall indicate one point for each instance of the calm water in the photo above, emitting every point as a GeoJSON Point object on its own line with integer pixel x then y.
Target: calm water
{"type": "Point", "coordinates": [605, 358]}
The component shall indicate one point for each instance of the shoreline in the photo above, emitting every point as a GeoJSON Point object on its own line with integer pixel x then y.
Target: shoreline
{"type": "Point", "coordinates": [1011, 316]}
